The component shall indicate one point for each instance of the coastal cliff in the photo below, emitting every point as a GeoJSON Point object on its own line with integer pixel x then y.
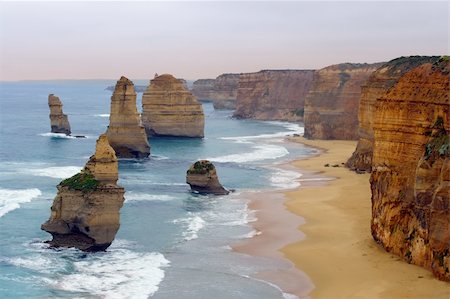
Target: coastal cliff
{"type": "Point", "coordinates": [125, 133]}
{"type": "Point", "coordinates": [377, 85]}
{"type": "Point", "coordinates": [202, 177]}
{"type": "Point", "coordinates": [410, 178]}
{"type": "Point", "coordinates": [331, 106]}
{"type": "Point", "coordinates": [224, 94]}
{"type": "Point", "coordinates": [203, 89]}
{"type": "Point", "coordinates": [169, 109]}
{"type": "Point", "coordinates": [59, 121]}
{"type": "Point", "coordinates": [273, 94]}
{"type": "Point", "coordinates": [85, 211]}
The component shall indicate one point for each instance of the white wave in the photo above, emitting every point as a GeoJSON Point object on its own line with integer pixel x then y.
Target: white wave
{"type": "Point", "coordinates": [101, 115]}
{"type": "Point", "coordinates": [193, 226]}
{"type": "Point", "coordinates": [57, 135]}
{"type": "Point", "coordinates": [250, 235]}
{"type": "Point", "coordinates": [137, 196]}
{"type": "Point", "coordinates": [285, 179]}
{"type": "Point", "coordinates": [58, 172]}
{"type": "Point", "coordinates": [10, 199]}
{"type": "Point", "coordinates": [157, 157]}
{"type": "Point", "coordinates": [260, 153]}
{"type": "Point", "coordinates": [292, 127]}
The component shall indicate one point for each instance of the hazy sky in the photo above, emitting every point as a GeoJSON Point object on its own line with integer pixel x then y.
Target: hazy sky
{"type": "Point", "coordinates": [82, 40]}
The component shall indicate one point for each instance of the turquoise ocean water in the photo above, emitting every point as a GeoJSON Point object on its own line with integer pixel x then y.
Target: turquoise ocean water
{"type": "Point", "coordinates": [171, 243]}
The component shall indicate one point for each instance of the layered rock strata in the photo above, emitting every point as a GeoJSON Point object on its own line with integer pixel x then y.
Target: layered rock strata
{"type": "Point", "coordinates": [59, 121]}
{"type": "Point", "coordinates": [203, 89]}
{"type": "Point", "coordinates": [331, 107]}
{"type": "Point", "coordinates": [377, 85]}
{"type": "Point", "coordinates": [273, 94]}
{"type": "Point", "coordinates": [169, 109]}
{"type": "Point", "coordinates": [85, 211]}
{"type": "Point", "coordinates": [125, 133]}
{"type": "Point", "coordinates": [410, 178]}
{"type": "Point", "coordinates": [224, 94]}
{"type": "Point", "coordinates": [202, 177]}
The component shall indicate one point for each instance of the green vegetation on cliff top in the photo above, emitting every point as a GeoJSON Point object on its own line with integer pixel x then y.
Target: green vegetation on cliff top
{"type": "Point", "coordinates": [82, 181]}
{"type": "Point", "coordinates": [201, 167]}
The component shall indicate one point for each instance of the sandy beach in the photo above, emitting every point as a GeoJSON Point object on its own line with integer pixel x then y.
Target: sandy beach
{"type": "Point", "coordinates": [327, 236]}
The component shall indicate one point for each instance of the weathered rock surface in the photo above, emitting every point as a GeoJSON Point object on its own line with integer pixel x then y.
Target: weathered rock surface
{"type": "Point", "coordinates": [377, 85]}
{"type": "Point", "coordinates": [203, 89]}
{"type": "Point", "coordinates": [125, 133]}
{"type": "Point", "coordinates": [59, 121]}
{"type": "Point", "coordinates": [85, 212]}
{"type": "Point", "coordinates": [273, 94]}
{"type": "Point", "coordinates": [225, 91]}
{"type": "Point", "coordinates": [202, 177]}
{"type": "Point", "coordinates": [331, 107]}
{"type": "Point", "coordinates": [410, 178]}
{"type": "Point", "coordinates": [169, 109]}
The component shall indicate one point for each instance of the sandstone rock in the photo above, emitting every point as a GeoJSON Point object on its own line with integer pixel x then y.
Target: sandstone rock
{"type": "Point", "coordinates": [58, 120]}
{"type": "Point", "coordinates": [125, 133]}
{"type": "Point", "coordinates": [85, 212]}
{"type": "Point", "coordinates": [224, 94]}
{"type": "Point", "coordinates": [376, 86]}
{"type": "Point", "coordinates": [203, 89]}
{"type": "Point", "coordinates": [273, 94]}
{"type": "Point", "coordinates": [410, 178]}
{"type": "Point", "coordinates": [331, 106]}
{"type": "Point", "coordinates": [202, 177]}
{"type": "Point", "coordinates": [169, 109]}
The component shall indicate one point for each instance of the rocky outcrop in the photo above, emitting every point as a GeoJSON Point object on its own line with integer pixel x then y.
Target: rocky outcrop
{"type": "Point", "coordinates": [377, 85]}
{"type": "Point", "coordinates": [58, 120]}
{"type": "Point", "coordinates": [203, 89]}
{"type": "Point", "coordinates": [273, 95]}
{"type": "Point", "coordinates": [169, 109]}
{"type": "Point", "coordinates": [202, 177]}
{"type": "Point", "coordinates": [85, 212]}
{"type": "Point", "coordinates": [224, 94]}
{"type": "Point", "coordinates": [410, 178]}
{"type": "Point", "coordinates": [125, 133]}
{"type": "Point", "coordinates": [331, 107]}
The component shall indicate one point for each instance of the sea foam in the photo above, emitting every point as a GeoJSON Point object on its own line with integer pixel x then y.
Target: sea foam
{"type": "Point", "coordinates": [192, 225]}
{"type": "Point", "coordinates": [101, 115]}
{"type": "Point", "coordinates": [285, 179]}
{"type": "Point", "coordinates": [57, 172]}
{"type": "Point", "coordinates": [137, 196]}
{"type": "Point", "coordinates": [260, 153]}
{"type": "Point", "coordinates": [11, 199]}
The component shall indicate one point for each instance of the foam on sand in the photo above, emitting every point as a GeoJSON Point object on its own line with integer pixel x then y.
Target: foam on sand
{"type": "Point", "coordinates": [11, 199]}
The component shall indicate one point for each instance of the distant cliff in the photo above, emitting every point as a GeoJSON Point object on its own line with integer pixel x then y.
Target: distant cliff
{"type": "Point", "coordinates": [377, 85]}
{"type": "Point", "coordinates": [273, 94]}
{"type": "Point", "coordinates": [410, 178]}
{"type": "Point", "coordinates": [203, 89]}
{"type": "Point", "coordinates": [225, 91]}
{"type": "Point", "coordinates": [331, 106]}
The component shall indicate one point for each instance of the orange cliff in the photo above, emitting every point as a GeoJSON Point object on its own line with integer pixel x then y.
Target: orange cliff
{"type": "Point", "coordinates": [410, 179]}
{"type": "Point", "coordinates": [273, 94]}
{"type": "Point", "coordinates": [331, 106]}
{"type": "Point", "coordinates": [377, 85]}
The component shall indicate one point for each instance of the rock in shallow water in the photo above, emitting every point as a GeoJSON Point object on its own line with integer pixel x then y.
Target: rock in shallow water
{"type": "Point", "coordinates": [202, 177]}
{"type": "Point", "coordinates": [59, 121]}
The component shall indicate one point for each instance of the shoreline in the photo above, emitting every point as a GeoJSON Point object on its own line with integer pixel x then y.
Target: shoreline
{"type": "Point", "coordinates": [321, 230]}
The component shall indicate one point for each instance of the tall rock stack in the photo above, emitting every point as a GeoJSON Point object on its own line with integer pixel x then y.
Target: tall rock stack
{"type": "Point", "coordinates": [125, 133]}
{"type": "Point", "coordinates": [85, 212]}
{"type": "Point", "coordinates": [331, 107]}
{"type": "Point", "coordinates": [58, 120]}
{"type": "Point", "coordinates": [377, 85]}
{"type": "Point", "coordinates": [410, 178]}
{"type": "Point", "coordinates": [169, 109]}
{"type": "Point", "coordinates": [273, 94]}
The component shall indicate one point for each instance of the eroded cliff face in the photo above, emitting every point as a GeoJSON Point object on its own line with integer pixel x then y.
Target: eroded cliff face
{"type": "Point", "coordinates": [202, 177]}
{"type": "Point", "coordinates": [85, 211]}
{"type": "Point", "coordinates": [377, 85]}
{"type": "Point", "coordinates": [225, 90]}
{"type": "Point", "coordinates": [410, 178]}
{"type": "Point", "coordinates": [331, 106]}
{"type": "Point", "coordinates": [203, 89]}
{"type": "Point", "coordinates": [59, 121]}
{"type": "Point", "coordinates": [169, 109]}
{"type": "Point", "coordinates": [273, 94]}
{"type": "Point", "coordinates": [125, 133]}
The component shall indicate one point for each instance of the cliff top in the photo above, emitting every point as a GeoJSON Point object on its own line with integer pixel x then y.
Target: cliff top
{"type": "Point", "coordinates": [351, 66]}
{"type": "Point", "coordinates": [124, 85]}
{"type": "Point", "coordinates": [54, 100]}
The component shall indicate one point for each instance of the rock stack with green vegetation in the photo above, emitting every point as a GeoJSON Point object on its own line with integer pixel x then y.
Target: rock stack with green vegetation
{"type": "Point", "coordinates": [202, 177]}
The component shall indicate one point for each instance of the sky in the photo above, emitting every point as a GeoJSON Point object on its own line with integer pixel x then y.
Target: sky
{"type": "Point", "coordinates": [192, 40]}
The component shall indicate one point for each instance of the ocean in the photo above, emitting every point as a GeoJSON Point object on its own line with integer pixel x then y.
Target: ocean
{"type": "Point", "coordinates": [171, 243]}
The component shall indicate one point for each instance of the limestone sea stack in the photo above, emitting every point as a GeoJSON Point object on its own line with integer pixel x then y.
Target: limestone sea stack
{"type": "Point", "coordinates": [202, 177]}
{"type": "Point", "coordinates": [331, 107]}
{"type": "Point", "coordinates": [169, 109]}
{"type": "Point", "coordinates": [85, 211]}
{"type": "Point", "coordinates": [273, 94]}
{"type": "Point", "coordinates": [125, 133]}
{"type": "Point", "coordinates": [224, 95]}
{"type": "Point", "coordinates": [376, 86]}
{"type": "Point", "coordinates": [410, 178]}
{"type": "Point", "coordinates": [59, 121]}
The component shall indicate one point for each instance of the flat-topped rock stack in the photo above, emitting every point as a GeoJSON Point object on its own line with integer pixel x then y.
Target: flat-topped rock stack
{"type": "Point", "coordinates": [170, 109]}
{"type": "Point", "coordinates": [202, 177]}
{"type": "Point", "coordinates": [125, 133]}
{"type": "Point", "coordinates": [59, 121]}
{"type": "Point", "coordinates": [85, 212]}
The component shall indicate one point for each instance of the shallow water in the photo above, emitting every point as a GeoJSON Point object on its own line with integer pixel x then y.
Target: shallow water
{"type": "Point", "coordinates": [172, 243]}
